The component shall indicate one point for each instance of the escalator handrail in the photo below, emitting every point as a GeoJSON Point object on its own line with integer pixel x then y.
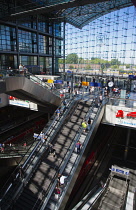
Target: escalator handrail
{"type": "Point", "coordinates": [105, 187]}
{"type": "Point", "coordinates": [90, 195]}
{"type": "Point", "coordinates": [62, 167]}
{"type": "Point", "coordinates": [37, 146]}
{"type": "Point", "coordinates": [33, 78]}
{"type": "Point", "coordinates": [28, 162]}
{"type": "Point", "coordinates": [79, 133]}
{"type": "Point", "coordinates": [49, 129]}
{"type": "Point", "coordinates": [83, 148]}
{"type": "Point", "coordinates": [52, 185]}
{"type": "Point", "coordinates": [40, 82]}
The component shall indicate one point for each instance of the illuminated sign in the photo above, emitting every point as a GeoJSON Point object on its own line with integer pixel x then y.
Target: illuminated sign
{"type": "Point", "coordinates": [19, 103]}
{"type": "Point", "coordinates": [119, 170]}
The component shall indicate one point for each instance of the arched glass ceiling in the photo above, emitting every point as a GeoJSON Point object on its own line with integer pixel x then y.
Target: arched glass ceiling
{"type": "Point", "coordinates": [82, 15]}
{"type": "Point", "coordinates": [111, 37]}
{"type": "Point", "coordinates": [76, 12]}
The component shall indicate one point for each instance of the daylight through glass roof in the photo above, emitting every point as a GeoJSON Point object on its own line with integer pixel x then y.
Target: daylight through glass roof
{"type": "Point", "coordinates": [78, 13]}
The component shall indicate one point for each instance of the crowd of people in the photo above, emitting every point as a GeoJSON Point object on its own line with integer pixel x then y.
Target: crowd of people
{"type": "Point", "coordinates": [86, 125]}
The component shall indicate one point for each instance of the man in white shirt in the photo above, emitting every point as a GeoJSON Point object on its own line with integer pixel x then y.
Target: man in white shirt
{"type": "Point", "coordinates": [62, 179]}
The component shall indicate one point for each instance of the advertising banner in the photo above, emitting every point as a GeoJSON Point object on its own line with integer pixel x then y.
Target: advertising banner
{"type": "Point", "coordinates": [120, 115]}
{"type": "Point", "coordinates": [58, 81]}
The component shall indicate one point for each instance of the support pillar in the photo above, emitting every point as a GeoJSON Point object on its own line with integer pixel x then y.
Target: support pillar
{"type": "Point", "coordinates": [64, 73]}
{"type": "Point", "coordinates": [127, 144]}
{"type": "Point", "coordinates": [49, 116]}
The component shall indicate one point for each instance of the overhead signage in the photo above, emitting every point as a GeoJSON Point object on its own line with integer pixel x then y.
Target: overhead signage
{"type": "Point", "coordinates": [85, 83]}
{"type": "Point", "coordinates": [69, 71]}
{"type": "Point", "coordinates": [50, 81]}
{"type": "Point", "coordinates": [95, 84]}
{"type": "Point", "coordinates": [19, 103]}
{"type": "Point", "coordinates": [58, 81]}
{"type": "Point", "coordinates": [120, 170]}
{"type": "Point", "coordinates": [132, 77]}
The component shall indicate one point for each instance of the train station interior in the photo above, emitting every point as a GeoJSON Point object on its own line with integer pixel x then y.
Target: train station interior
{"type": "Point", "coordinates": [67, 105]}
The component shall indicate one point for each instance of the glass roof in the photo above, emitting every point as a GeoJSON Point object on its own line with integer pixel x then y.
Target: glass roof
{"type": "Point", "coordinates": [81, 16]}
{"type": "Point", "coordinates": [76, 12]}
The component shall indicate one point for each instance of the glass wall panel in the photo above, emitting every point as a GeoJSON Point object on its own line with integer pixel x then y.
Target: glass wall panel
{"type": "Point", "coordinates": [50, 28]}
{"type": "Point", "coordinates": [46, 64]}
{"type": "Point", "coordinates": [42, 64]}
{"type": "Point", "coordinates": [50, 46]}
{"type": "Point", "coordinates": [29, 22]}
{"type": "Point", "coordinates": [44, 25]}
{"type": "Point", "coordinates": [8, 60]}
{"type": "Point", "coordinates": [49, 65]}
{"type": "Point", "coordinates": [56, 65]}
{"type": "Point", "coordinates": [27, 41]}
{"type": "Point", "coordinates": [58, 47]}
{"type": "Point", "coordinates": [43, 44]}
{"type": "Point", "coordinates": [28, 60]}
{"type": "Point", "coordinates": [57, 29]}
{"type": "Point", "coordinates": [7, 38]}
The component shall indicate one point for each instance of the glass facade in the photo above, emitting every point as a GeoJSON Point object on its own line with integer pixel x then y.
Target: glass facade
{"type": "Point", "coordinates": [29, 22]}
{"type": "Point", "coordinates": [27, 41]}
{"type": "Point", "coordinates": [44, 25]}
{"type": "Point", "coordinates": [7, 38]}
{"type": "Point", "coordinates": [50, 46]}
{"type": "Point", "coordinates": [57, 29]}
{"type": "Point", "coordinates": [28, 60]}
{"type": "Point", "coordinates": [43, 44]}
{"type": "Point", "coordinates": [31, 41]}
{"type": "Point", "coordinates": [58, 47]}
{"type": "Point", "coordinates": [46, 64]}
{"type": "Point", "coordinates": [8, 60]}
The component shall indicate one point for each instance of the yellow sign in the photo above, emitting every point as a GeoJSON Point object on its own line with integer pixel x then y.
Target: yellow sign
{"type": "Point", "coordinates": [85, 83]}
{"type": "Point", "coordinates": [50, 81]}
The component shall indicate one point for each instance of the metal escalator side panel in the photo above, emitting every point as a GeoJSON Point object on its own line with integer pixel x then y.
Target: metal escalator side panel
{"type": "Point", "coordinates": [25, 89]}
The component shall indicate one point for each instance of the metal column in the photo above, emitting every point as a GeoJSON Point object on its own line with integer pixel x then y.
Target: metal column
{"type": "Point", "coordinates": [64, 48]}
{"type": "Point", "coordinates": [127, 144]}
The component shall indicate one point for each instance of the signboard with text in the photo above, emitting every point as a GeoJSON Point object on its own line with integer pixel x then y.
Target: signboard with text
{"type": "Point", "coordinates": [119, 170]}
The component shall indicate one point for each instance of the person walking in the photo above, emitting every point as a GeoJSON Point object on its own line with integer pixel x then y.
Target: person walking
{"type": "Point", "coordinates": [50, 146]}
{"type": "Point", "coordinates": [62, 180]}
{"type": "Point", "coordinates": [21, 172]}
{"type": "Point", "coordinates": [57, 192]}
{"type": "Point", "coordinates": [100, 98]}
{"type": "Point", "coordinates": [58, 112]}
{"type": "Point", "coordinates": [78, 147]}
{"type": "Point", "coordinates": [42, 137]}
{"type": "Point", "coordinates": [89, 124]}
{"type": "Point", "coordinates": [84, 126]}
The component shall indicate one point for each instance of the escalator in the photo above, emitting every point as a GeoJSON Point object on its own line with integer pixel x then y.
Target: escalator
{"type": "Point", "coordinates": [42, 169]}
{"type": "Point", "coordinates": [50, 130]}
{"type": "Point", "coordinates": [40, 183]}
{"type": "Point", "coordinates": [29, 89]}
{"type": "Point", "coordinates": [100, 190]}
